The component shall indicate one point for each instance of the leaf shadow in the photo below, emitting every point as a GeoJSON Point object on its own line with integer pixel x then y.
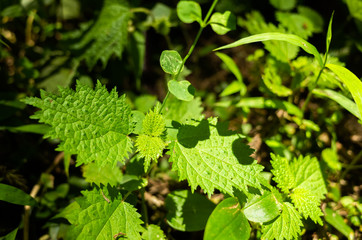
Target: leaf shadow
{"type": "Point", "coordinates": [189, 135]}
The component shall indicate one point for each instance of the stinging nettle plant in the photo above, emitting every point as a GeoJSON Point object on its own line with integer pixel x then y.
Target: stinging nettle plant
{"type": "Point", "coordinates": [103, 132]}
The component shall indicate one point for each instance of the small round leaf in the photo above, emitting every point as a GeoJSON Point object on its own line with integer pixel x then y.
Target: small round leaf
{"type": "Point", "coordinates": [170, 61]}
{"type": "Point", "coordinates": [227, 222]}
{"type": "Point", "coordinates": [183, 90]}
{"type": "Point", "coordinates": [189, 11]}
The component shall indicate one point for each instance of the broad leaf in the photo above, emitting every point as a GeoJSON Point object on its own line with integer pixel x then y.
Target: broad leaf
{"type": "Point", "coordinates": [283, 174]}
{"type": "Point", "coordinates": [188, 211]}
{"type": "Point", "coordinates": [345, 102]}
{"type": "Point", "coordinates": [261, 208]}
{"type": "Point", "coordinates": [208, 155]}
{"type": "Point", "coordinates": [153, 232]}
{"type": "Point", "coordinates": [101, 215]}
{"type": "Point", "coordinates": [227, 222]}
{"type": "Point", "coordinates": [91, 123]}
{"type": "Point", "coordinates": [107, 174]}
{"type": "Point", "coordinates": [286, 226]}
{"type": "Point", "coordinates": [307, 204]}
{"type": "Point", "coordinates": [182, 90]}
{"type": "Point", "coordinates": [353, 84]}
{"type": "Point", "coordinates": [290, 38]}
{"type": "Point", "coordinates": [15, 195]}
{"type": "Point", "coordinates": [108, 35]}
{"type": "Point", "coordinates": [222, 23]}
{"type": "Point", "coordinates": [189, 11]}
{"type": "Point", "coordinates": [171, 61]}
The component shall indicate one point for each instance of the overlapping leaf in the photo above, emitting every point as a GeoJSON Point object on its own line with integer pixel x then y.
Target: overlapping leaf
{"type": "Point", "coordinates": [91, 123]}
{"type": "Point", "coordinates": [209, 156]}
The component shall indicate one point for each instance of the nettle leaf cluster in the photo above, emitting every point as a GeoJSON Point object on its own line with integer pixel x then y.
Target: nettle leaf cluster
{"type": "Point", "coordinates": [103, 132]}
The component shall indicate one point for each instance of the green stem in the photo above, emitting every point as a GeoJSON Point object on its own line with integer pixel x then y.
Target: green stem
{"type": "Point", "coordinates": [352, 165]}
{"type": "Point", "coordinates": [144, 207]}
{"type": "Point", "coordinates": [126, 196]}
{"type": "Point", "coordinates": [203, 24]}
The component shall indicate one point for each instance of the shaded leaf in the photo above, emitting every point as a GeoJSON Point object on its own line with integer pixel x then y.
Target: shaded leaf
{"type": "Point", "coordinates": [337, 222]}
{"type": "Point", "coordinates": [15, 195]}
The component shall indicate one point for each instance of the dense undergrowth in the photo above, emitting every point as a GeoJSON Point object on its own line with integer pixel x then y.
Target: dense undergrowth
{"type": "Point", "coordinates": [180, 119]}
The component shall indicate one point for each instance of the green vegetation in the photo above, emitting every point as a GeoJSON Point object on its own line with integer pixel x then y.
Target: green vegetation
{"type": "Point", "coordinates": [180, 120]}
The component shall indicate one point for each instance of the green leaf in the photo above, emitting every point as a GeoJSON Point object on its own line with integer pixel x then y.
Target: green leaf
{"type": "Point", "coordinates": [260, 102]}
{"type": "Point", "coordinates": [188, 211]}
{"type": "Point", "coordinates": [182, 90]}
{"type": "Point", "coordinates": [261, 208]}
{"type": "Point", "coordinates": [283, 174]}
{"type": "Point", "coordinates": [296, 24]}
{"type": "Point", "coordinates": [222, 23]}
{"type": "Point", "coordinates": [107, 174]}
{"type": "Point", "coordinates": [353, 84]}
{"type": "Point", "coordinates": [171, 61]}
{"type": "Point", "coordinates": [313, 16]}
{"type": "Point", "coordinates": [153, 232]}
{"type": "Point", "coordinates": [29, 128]}
{"type": "Point", "coordinates": [208, 155]}
{"type": "Point", "coordinates": [286, 226]}
{"type": "Point", "coordinates": [273, 82]}
{"type": "Point", "coordinates": [283, 4]}
{"type": "Point", "coordinates": [234, 87]}
{"type": "Point", "coordinates": [231, 65]}
{"type": "Point", "coordinates": [11, 235]}
{"type": "Point", "coordinates": [150, 148]}
{"type": "Point", "coordinates": [337, 222]}
{"type": "Point", "coordinates": [108, 35]}
{"type": "Point", "coordinates": [308, 175]}
{"type": "Point", "coordinates": [290, 38]}
{"type": "Point", "coordinates": [355, 8]}
{"type": "Point", "coordinates": [329, 35]}
{"type": "Point", "coordinates": [91, 123]}
{"type": "Point", "coordinates": [307, 204]}
{"type": "Point", "coordinates": [101, 215]}
{"type": "Point", "coordinates": [15, 195]}
{"type": "Point", "coordinates": [189, 11]}
{"type": "Point", "coordinates": [227, 222]}
{"type": "Point", "coordinates": [345, 102]}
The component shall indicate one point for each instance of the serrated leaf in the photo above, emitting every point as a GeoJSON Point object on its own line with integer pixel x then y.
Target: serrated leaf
{"type": "Point", "coordinates": [153, 232]}
{"type": "Point", "coordinates": [189, 11]}
{"type": "Point", "coordinates": [209, 156]}
{"type": "Point", "coordinates": [91, 123]}
{"type": "Point", "coordinates": [153, 124]}
{"type": "Point", "coordinates": [283, 174]}
{"type": "Point", "coordinates": [188, 211]}
{"type": "Point", "coordinates": [99, 219]}
{"type": "Point", "coordinates": [227, 222]}
{"type": "Point", "coordinates": [15, 195]}
{"type": "Point", "coordinates": [182, 90]}
{"type": "Point", "coordinates": [222, 23]}
{"type": "Point", "coordinates": [286, 226]}
{"type": "Point", "coordinates": [107, 174]}
{"type": "Point", "coordinates": [261, 208]}
{"type": "Point", "coordinates": [353, 84]}
{"type": "Point", "coordinates": [307, 204]}
{"type": "Point", "coordinates": [308, 175]}
{"type": "Point", "coordinates": [150, 148]}
{"type": "Point", "coordinates": [290, 38]}
{"type": "Point", "coordinates": [171, 61]}
{"type": "Point", "coordinates": [181, 111]}
{"type": "Point", "coordinates": [108, 35]}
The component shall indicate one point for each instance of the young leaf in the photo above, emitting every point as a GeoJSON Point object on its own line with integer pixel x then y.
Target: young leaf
{"type": "Point", "coordinates": [286, 226]}
{"type": "Point", "coordinates": [209, 156]}
{"type": "Point", "coordinates": [189, 11]}
{"type": "Point", "coordinates": [171, 61]}
{"type": "Point", "coordinates": [307, 204]}
{"type": "Point", "coordinates": [282, 172]}
{"type": "Point", "coordinates": [153, 232]}
{"type": "Point", "coordinates": [108, 35]}
{"type": "Point", "coordinates": [91, 123]}
{"type": "Point", "coordinates": [345, 102]}
{"type": "Point", "coordinates": [227, 222]}
{"type": "Point", "coordinates": [329, 35]}
{"type": "Point", "coordinates": [290, 38]}
{"type": "Point", "coordinates": [101, 217]}
{"type": "Point", "coordinates": [182, 90]}
{"type": "Point", "coordinates": [262, 208]}
{"type": "Point", "coordinates": [15, 195]}
{"type": "Point", "coordinates": [353, 84]}
{"type": "Point", "coordinates": [188, 211]}
{"type": "Point", "coordinates": [222, 23]}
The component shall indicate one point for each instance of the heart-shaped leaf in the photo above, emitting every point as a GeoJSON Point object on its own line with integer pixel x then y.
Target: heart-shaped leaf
{"type": "Point", "coordinates": [189, 11]}
{"type": "Point", "coordinates": [183, 90]}
{"type": "Point", "coordinates": [223, 23]}
{"type": "Point", "coordinates": [170, 61]}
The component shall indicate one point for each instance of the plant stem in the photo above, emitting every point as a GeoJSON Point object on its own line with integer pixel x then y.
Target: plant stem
{"type": "Point", "coordinates": [144, 207]}
{"type": "Point", "coordinates": [203, 24]}
{"type": "Point", "coordinates": [352, 165]}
